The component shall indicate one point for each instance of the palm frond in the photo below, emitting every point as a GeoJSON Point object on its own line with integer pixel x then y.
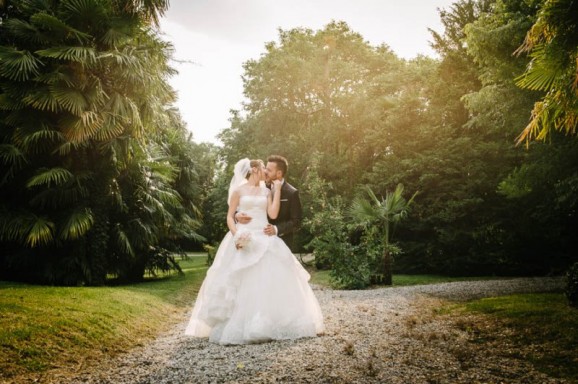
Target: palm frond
{"type": "Point", "coordinates": [148, 10]}
{"type": "Point", "coordinates": [40, 139]}
{"type": "Point", "coordinates": [58, 28]}
{"type": "Point", "coordinates": [70, 99]}
{"type": "Point", "coordinates": [363, 210]}
{"type": "Point", "coordinates": [169, 197]}
{"type": "Point", "coordinates": [81, 129]}
{"type": "Point", "coordinates": [8, 103]}
{"type": "Point", "coordinates": [57, 76]}
{"type": "Point", "coordinates": [77, 224]}
{"type": "Point", "coordinates": [25, 227]}
{"type": "Point", "coordinates": [51, 176]}
{"type": "Point", "coordinates": [141, 233]}
{"type": "Point", "coordinates": [42, 99]}
{"type": "Point", "coordinates": [111, 128]}
{"type": "Point", "coordinates": [67, 147]}
{"type": "Point", "coordinates": [18, 65]}
{"type": "Point", "coordinates": [114, 36]}
{"type": "Point", "coordinates": [23, 30]}
{"type": "Point", "coordinates": [122, 59]}
{"type": "Point", "coordinates": [13, 159]}
{"type": "Point", "coordinates": [41, 232]}
{"type": "Point", "coordinates": [10, 155]}
{"type": "Point", "coordinates": [123, 241]}
{"type": "Point", "coordinates": [84, 12]}
{"type": "Point", "coordinates": [542, 72]}
{"type": "Point", "coordinates": [82, 55]}
{"type": "Point", "coordinates": [59, 198]}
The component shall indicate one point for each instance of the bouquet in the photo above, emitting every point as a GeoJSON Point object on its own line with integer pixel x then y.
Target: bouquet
{"type": "Point", "coordinates": [242, 239]}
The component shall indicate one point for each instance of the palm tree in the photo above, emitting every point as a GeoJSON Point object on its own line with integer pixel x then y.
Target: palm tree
{"type": "Point", "coordinates": [83, 99]}
{"type": "Point", "coordinates": [386, 214]}
{"type": "Point", "coordinates": [553, 69]}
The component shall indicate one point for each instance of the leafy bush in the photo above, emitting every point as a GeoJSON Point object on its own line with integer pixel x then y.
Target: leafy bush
{"type": "Point", "coordinates": [160, 259]}
{"type": "Point", "coordinates": [351, 267]}
{"type": "Point", "coordinates": [572, 285]}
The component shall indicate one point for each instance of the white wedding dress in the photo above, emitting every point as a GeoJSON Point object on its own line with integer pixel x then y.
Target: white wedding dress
{"type": "Point", "coordinates": [257, 293]}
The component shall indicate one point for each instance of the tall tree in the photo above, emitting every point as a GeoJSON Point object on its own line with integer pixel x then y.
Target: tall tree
{"type": "Point", "coordinates": [315, 92]}
{"type": "Point", "coordinates": [552, 43]}
{"type": "Point", "coordinates": [83, 99]}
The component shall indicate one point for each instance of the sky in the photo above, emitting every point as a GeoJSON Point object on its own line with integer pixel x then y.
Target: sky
{"type": "Point", "coordinates": [213, 38]}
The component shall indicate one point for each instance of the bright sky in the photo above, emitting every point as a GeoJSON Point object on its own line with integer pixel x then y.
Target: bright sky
{"type": "Point", "coordinates": [218, 36]}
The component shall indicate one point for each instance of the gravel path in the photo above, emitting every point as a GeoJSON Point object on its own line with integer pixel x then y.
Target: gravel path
{"type": "Point", "coordinates": [387, 335]}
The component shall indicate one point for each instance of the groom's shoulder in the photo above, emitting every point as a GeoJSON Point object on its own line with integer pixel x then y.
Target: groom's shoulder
{"type": "Point", "coordinates": [289, 188]}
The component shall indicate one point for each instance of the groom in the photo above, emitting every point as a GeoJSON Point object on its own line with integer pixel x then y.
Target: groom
{"type": "Point", "coordinates": [287, 222]}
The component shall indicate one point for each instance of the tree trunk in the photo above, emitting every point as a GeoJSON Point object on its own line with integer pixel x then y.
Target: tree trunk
{"type": "Point", "coordinates": [387, 268]}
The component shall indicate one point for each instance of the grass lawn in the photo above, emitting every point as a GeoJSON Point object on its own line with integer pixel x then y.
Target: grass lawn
{"type": "Point", "coordinates": [43, 327]}
{"type": "Point", "coordinates": [323, 278]}
{"type": "Point", "coordinates": [540, 328]}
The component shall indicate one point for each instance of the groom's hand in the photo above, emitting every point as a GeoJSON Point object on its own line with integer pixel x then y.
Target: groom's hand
{"type": "Point", "coordinates": [243, 218]}
{"type": "Point", "coordinates": [270, 230]}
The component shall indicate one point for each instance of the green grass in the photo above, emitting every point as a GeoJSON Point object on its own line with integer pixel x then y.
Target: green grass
{"type": "Point", "coordinates": [543, 328]}
{"type": "Point", "coordinates": [323, 278]}
{"type": "Point", "coordinates": [43, 327]}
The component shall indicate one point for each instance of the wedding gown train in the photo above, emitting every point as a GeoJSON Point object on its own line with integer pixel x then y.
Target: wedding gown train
{"type": "Point", "coordinates": [257, 293]}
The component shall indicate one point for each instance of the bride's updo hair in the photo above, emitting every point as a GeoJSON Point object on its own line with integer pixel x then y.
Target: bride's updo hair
{"type": "Point", "coordinates": [254, 164]}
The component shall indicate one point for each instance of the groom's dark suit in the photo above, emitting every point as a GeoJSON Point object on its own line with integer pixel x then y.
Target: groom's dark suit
{"type": "Point", "coordinates": [290, 213]}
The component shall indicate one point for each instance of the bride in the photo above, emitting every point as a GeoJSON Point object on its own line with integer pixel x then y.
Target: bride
{"type": "Point", "coordinates": [256, 290]}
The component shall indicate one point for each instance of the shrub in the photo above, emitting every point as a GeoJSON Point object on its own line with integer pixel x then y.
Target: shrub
{"type": "Point", "coordinates": [332, 247]}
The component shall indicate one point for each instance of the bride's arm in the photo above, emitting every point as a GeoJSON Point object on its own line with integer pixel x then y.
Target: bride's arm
{"type": "Point", "coordinates": [231, 213]}
{"type": "Point", "coordinates": [275, 201]}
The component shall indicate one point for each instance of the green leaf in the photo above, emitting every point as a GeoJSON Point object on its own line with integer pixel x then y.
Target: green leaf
{"type": "Point", "coordinates": [18, 65]}
{"type": "Point", "coordinates": [40, 233]}
{"type": "Point", "coordinates": [123, 241]}
{"type": "Point", "coordinates": [77, 224]}
{"type": "Point", "coordinates": [70, 99]}
{"type": "Point", "coordinates": [38, 140]}
{"type": "Point", "coordinates": [11, 155]}
{"type": "Point", "coordinates": [42, 99]}
{"type": "Point", "coordinates": [82, 55]}
{"type": "Point", "coordinates": [56, 176]}
{"type": "Point", "coordinates": [23, 30]}
{"type": "Point", "coordinates": [55, 26]}
{"type": "Point", "coordinates": [8, 103]}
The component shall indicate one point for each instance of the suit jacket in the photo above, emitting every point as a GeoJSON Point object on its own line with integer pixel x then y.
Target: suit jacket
{"type": "Point", "coordinates": [290, 213]}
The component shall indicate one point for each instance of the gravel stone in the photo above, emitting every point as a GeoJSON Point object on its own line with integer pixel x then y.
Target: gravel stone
{"type": "Point", "coordinates": [385, 335]}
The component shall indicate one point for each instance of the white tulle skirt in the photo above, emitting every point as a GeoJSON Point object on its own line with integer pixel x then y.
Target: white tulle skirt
{"type": "Point", "coordinates": [255, 294]}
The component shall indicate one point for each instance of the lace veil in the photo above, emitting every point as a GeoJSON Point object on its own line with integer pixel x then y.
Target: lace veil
{"type": "Point", "coordinates": [240, 172]}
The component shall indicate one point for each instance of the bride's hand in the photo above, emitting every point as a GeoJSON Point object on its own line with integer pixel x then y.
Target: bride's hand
{"type": "Point", "coordinates": [277, 184]}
